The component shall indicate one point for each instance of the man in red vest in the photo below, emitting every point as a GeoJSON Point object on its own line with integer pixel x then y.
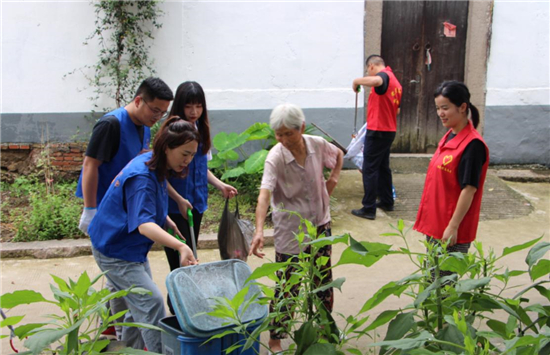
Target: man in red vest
{"type": "Point", "coordinates": [382, 110]}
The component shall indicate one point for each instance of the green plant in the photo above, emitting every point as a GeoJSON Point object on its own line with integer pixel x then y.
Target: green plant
{"type": "Point", "coordinates": [459, 313]}
{"type": "Point", "coordinates": [81, 319]}
{"type": "Point", "coordinates": [52, 215]}
{"type": "Point", "coordinates": [124, 30]}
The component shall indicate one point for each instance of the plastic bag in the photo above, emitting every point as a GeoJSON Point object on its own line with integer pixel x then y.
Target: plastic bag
{"type": "Point", "coordinates": [234, 234]}
{"type": "Point", "coordinates": [355, 148]}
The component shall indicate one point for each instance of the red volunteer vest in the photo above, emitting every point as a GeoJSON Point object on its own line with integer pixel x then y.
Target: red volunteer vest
{"type": "Point", "coordinates": [382, 109]}
{"type": "Point", "coordinates": [442, 189]}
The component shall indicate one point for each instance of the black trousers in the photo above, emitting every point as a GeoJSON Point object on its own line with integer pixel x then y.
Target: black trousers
{"type": "Point", "coordinates": [377, 178]}
{"type": "Point", "coordinates": [183, 225]}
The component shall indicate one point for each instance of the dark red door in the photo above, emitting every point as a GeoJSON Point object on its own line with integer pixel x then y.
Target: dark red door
{"type": "Point", "coordinates": [412, 33]}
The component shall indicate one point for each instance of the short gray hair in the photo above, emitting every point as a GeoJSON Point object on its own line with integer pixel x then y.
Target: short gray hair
{"type": "Point", "coordinates": [287, 115]}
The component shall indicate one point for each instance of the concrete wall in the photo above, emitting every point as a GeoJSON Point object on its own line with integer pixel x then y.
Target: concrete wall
{"type": "Point", "coordinates": [249, 57]}
{"type": "Point", "coordinates": [517, 114]}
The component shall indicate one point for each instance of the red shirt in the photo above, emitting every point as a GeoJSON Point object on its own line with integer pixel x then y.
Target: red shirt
{"type": "Point", "coordinates": [442, 189]}
{"type": "Point", "coordinates": [382, 109]}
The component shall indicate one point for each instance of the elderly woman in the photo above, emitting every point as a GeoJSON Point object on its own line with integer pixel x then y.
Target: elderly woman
{"type": "Point", "coordinates": [293, 180]}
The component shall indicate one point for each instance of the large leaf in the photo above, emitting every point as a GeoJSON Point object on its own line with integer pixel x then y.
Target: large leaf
{"type": "Point", "coordinates": [216, 162]}
{"type": "Point", "coordinates": [400, 326]}
{"type": "Point", "coordinates": [10, 300]}
{"type": "Point", "coordinates": [324, 348]}
{"type": "Point", "coordinates": [11, 321]}
{"type": "Point", "coordinates": [259, 130]}
{"type": "Point", "coordinates": [336, 284]}
{"type": "Point", "coordinates": [305, 337]}
{"type": "Point", "coordinates": [363, 253]}
{"type": "Point", "coordinates": [82, 285]}
{"type": "Point", "coordinates": [384, 292]}
{"type": "Point", "coordinates": [471, 284]}
{"type": "Point", "coordinates": [324, 241]}
{"type": "Point", "coordinates": [40, 341]}
{"type": "Point", "coordinates": [458, 265]}
{"type": "Point", "coordinates": [228, 155]}
{"type": "Point", "coordinates": [255, 163]}
{"type": "Point", "coordinates": [224, 141]}
{"type": "Point", "coordinates": [266, 270]}
{"type": "Point", "coordinates": [451, 334]}
{"type": "Point", "coordinates": [406, 343]}
{"type": "Point", "coordinates": [382, 319]}
{"type": "Point", "coordinates": [25, 330]}
{"type": "Point", "coordinates": [540, 269]}
{"type": "Point", "coordinates": [537, 252]}
{"type": "Point", "coordinates": [233, 173]}
{"type": "Point", "coordinates": [510, 250]}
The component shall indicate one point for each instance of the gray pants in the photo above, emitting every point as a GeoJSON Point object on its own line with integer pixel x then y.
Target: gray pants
{"type": "Point", "coordinates": [148, 309]}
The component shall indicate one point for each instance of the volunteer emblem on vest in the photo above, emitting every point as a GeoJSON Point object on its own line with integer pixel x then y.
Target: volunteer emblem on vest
{"type": "Point", "coordinates": [117, 183]}
{"type": "Point", "coordinates": [446, 160]}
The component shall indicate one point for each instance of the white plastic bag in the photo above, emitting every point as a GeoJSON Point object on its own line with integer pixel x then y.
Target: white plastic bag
{"type": "Point", "coordinates": [355, 148]}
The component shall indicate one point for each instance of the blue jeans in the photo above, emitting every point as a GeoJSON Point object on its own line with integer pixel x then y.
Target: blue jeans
{"type": "Point", "coordinates": [148, 309]}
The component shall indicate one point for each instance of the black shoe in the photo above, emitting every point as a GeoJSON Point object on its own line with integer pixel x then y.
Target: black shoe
{"type": "Point", "coordinates": [387, 208]}
{"type": "Point", "coordinates": [363, 214]}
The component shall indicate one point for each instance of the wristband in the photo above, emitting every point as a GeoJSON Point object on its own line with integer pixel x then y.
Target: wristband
{"type": "Point", "coordinates": [90, 208]}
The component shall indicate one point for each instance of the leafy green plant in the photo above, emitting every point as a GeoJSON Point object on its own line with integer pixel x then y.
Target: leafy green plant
{"type": "Point", "coordinates": [81, 319]}
{"type": "Point", "coordinates": [124, 30]}
{"type": "Point", "coordinates": [459, 313]}
{"type": "Point", "coordinates": [52, 215]}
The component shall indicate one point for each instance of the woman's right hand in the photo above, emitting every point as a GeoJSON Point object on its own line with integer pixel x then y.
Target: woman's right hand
{"type": "Point", "coordinates": [186, 256]}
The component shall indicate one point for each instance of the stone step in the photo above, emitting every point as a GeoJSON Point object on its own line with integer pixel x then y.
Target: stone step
{"type": "Point", "coordinates": [67, 248]}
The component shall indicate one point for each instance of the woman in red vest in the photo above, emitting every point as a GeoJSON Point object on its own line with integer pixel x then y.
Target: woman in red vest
{"type": "Point", "coordinates": [451, 201]}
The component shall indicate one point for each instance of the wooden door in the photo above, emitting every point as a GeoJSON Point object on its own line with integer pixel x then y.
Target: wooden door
{"type": "Point", "coordinates": [411, 30]}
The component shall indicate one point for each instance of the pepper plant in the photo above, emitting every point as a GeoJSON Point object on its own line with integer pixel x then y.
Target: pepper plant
{"type": "Point", "coordinates": [461, 313]}
{"type": "Point", "coordinates": [83, 316]}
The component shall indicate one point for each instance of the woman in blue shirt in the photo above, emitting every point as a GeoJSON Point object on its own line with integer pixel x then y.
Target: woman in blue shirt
{"type": "Point", "coordinates": [190, 104]}
{"type": "Point", "coordinates": [132, 216]}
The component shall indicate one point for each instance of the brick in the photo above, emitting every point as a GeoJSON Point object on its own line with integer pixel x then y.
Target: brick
{"type": "Point", "coordinates": [57, 163]}
{"type": "Point", "coordinates": [24, 146]}
{"type": "Point", "coordinates": [75, 150]}
{"type": "Point", "coordinates": [14, 146]}
{"type": "Point", "coordinates": [78, 159]}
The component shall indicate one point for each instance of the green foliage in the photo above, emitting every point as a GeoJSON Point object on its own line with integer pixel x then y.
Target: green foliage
{"type": "Point", "coordinates": [50, 216]}
{"type": "Point", "coordinates": [238, 168]}
{"type": "Point", "coordinates": [445, 315]}
{"type": "Point", "coordinates": [83, 317]}
{"type": "Point", "coordinates": [124, 30]}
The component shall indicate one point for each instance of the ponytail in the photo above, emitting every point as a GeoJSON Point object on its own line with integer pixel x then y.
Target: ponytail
{"type": "Point", "coordinates": [475, 115]}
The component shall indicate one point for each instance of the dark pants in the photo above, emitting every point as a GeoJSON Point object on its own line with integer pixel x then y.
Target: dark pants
{"type": "Point", "coordinates": [326, 296]}
{"type": "Point", "coordinates": [377, 179]}
{"type": "Point", "coordinates": [182, 224]}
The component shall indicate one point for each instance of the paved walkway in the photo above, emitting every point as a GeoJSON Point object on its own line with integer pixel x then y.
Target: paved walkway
{"type": "Point", "coordinates": [528, 202]}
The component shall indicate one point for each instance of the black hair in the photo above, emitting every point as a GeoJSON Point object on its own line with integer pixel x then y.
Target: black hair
{"type": "Point", "coordinates": [154, 88]}
{"type": "Point", "coordinates": [190, 92]}
{"type": "Point", "coordinates": [458, 93]}
{"type": "Point", "coordinates": [375, 59]}
{"type": "Point", "coordinates": [174, 132]}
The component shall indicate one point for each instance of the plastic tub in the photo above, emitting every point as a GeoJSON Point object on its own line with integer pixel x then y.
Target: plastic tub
{"type": "Point", "coordinates": [193, 288]}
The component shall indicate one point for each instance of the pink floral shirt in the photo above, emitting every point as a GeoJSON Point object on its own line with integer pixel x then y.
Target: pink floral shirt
{"type": "Point", "coordinates": [298, 188]}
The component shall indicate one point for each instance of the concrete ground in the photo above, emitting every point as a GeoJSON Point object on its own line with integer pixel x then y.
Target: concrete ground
{"type": "Point", "coordinates": [514, 212]}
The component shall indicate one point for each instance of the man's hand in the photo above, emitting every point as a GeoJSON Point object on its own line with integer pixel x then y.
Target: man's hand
{"type": "Point", "coordinates": [257, 245]}
{"type": "Point", "coordinates": [86, 218]}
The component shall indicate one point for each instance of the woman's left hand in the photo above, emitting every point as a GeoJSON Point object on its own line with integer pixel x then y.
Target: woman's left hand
{"type": "Point", "coordinates": [450, 234]}
{"type": "Point", "coordinates": [228, 191]}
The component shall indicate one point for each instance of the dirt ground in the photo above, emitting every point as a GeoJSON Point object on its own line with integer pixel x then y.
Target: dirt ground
{"type": "Point", "coordinates": [361, 283]}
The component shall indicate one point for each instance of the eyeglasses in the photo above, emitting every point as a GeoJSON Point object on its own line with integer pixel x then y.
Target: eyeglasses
{"type": "Point", "coordinates": [156, 112]}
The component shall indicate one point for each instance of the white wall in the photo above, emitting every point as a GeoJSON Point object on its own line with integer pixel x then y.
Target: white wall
{"type": "Point", "coordinates": [518, 69]}
{"type": "Point", "coordinates": [247, 55]}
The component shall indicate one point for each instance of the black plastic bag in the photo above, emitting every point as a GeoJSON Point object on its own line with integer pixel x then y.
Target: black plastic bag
{"type": "Point", "coordinates": [234, 234]}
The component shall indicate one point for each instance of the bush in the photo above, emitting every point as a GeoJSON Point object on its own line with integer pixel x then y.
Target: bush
{"type": "Point", "coordinates": [53, 215]}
